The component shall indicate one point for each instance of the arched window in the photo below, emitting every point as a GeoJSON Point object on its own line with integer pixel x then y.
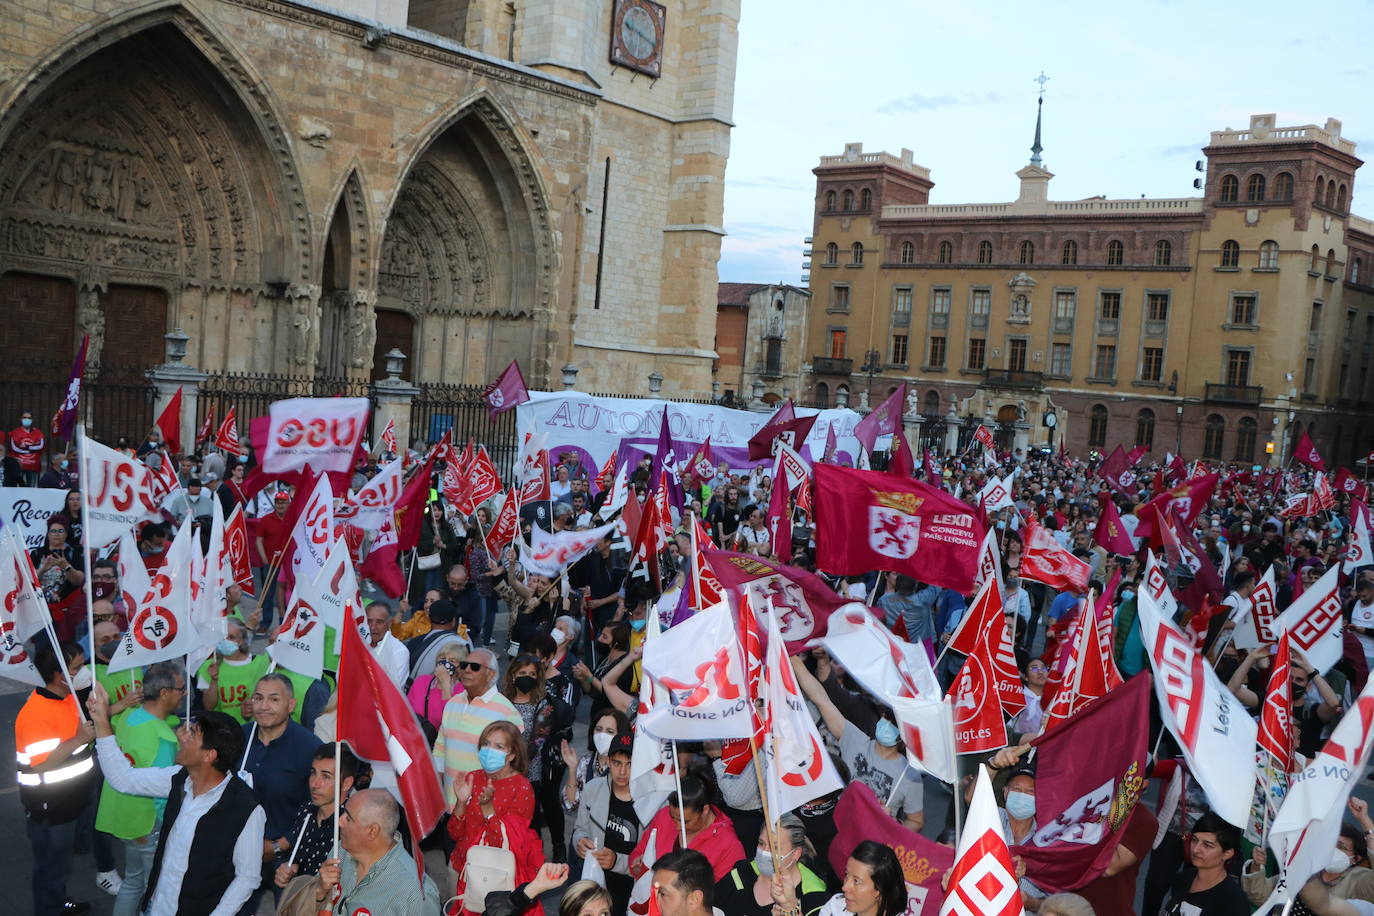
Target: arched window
{"type": "Point", "coordinates": [865, 199]}
{"type": "Point", "coordinates": [829, 200]}
{"type": "Point", "coordinates": [1330, 262]}
{"type": "Point", "coordinates": [908, 253]}
{"type": "Point", "coordinates": [1070, 253]}
{"type": "Point", "coordinates": [1331, 194]}
{"type": "Point", "coordinates": [946, 253]}
{"type": "Point", "coordinates": [1115, 252]}
{"type": "Point", "coordinates": [822, 395]}
{"type": "Point", "coordinates": [1212, 434]}
{"type": "Point", "coordinates": [856, 253]}
{"type": "Point", "coordinates": [1269, 255]}
{"type": "Point", "coordinates": [1316, 265]}
{"type": "Point", "coordinates": [1027, 252]}
{"type": "Point", "coordinates": [1145, 428]}
{"type": "Point", "coordinates": [1340, 198]}
{"type": "Point", "coordinates": [1283, 186]}
{"type": "Point", "coordinates": [832, 254]}
{"type": "Point", "coordinates": [1164, 253]}
{"type": "Point", "coordinates": [1254, 188]}
{"type": "Point", "coordinates": [1230, 189]}
{"type": "Point", "coordinates": [1230, 253]}
{"type": "Point", "coordinates": [985, 252]}
{"type": "Point", "coordinates": [1097, 427]}
{"type": "Point", "coordinates": [1355, 271]}
{"type": "Point", "coordinates": [1321, 190]}
{"type": "Point", "coordinates": [1246, 431]}
{"type": "Point", "coordinates": [847, 200]}
{"type": "Point", "coordinates": [930, 404]}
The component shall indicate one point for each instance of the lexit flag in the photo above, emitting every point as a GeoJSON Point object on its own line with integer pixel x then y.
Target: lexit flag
{"type": "Point", "coordinates": [507, 391]}
{"type": "Point", "coordinates": [64, 421]}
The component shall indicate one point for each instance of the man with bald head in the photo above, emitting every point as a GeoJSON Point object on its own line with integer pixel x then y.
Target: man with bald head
{"type": "Point", "coordinates": [466, 714]}
{"type": "Point", "coordinates": [375, 874]}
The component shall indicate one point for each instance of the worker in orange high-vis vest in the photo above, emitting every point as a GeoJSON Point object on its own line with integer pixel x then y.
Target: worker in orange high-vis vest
{"type": "Point", "coordinates": [56, 761]}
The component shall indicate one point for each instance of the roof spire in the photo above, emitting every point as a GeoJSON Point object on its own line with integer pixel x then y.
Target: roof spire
{"type": "Point", "coordinates": [1039, 108]}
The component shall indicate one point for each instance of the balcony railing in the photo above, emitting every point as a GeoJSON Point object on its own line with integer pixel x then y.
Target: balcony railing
{"type": "Point", "coordinates": [1014, 378]}
{"type": "Point", "coordinates": [1245, 395]}
{"type": "Point", "coordinates": [829, 365]}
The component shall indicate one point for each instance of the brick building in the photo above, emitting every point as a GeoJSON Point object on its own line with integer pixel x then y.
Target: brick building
{"type": "Point", "coordinates": [760, 341]}
{"type": "Point", "coordinates": [1223, 325]}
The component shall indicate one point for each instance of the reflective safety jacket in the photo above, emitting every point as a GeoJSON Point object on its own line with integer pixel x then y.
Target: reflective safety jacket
{"type": "Point", "coordinates": [58, 795]}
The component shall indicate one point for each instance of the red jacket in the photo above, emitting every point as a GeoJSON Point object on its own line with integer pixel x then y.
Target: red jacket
{"type": "Point", "coordinates": [718, 842]}
{"type": "Point", "coordinates": [27, 445]}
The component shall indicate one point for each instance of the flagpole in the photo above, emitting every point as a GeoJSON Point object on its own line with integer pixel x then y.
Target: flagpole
{"type": "Point", "coordinates": [52, 637]}
{"type": "Point", "coordinates": [338, 744]}
{"type": "Point", "coordinates": [85, 484]}
{"type": "Point", "coordinates": [958, 786]}
{"type": "Point", "coordinates": [677, 778]}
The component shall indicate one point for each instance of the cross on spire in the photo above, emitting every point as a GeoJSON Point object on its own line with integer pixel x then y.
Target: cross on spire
{"type": "Point", "coordinates": [1042, 79]}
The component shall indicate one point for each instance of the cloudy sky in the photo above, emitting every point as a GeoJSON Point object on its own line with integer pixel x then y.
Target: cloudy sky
{"type": "Point", "coordinates": [1134, 91]}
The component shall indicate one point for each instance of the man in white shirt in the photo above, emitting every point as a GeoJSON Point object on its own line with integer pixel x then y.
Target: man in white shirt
{"type": "Point", "coordinates": [209, 857]}
{"type": "Point", "coordinates": [387, 649]}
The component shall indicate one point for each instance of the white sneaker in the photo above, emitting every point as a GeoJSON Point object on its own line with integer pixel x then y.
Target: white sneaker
{"type": "Point", "coordinates": [108, 881]}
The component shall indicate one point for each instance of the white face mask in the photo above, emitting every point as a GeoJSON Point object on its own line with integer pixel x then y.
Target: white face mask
{"type": "Point", "coordinates": [602, 742]}
{"type": "Point", "coordinates": [558, 636]}
{"type": "Point", "coordinates": [1340, 862]}
{"type": "Point", "coordinates": [82, 679]}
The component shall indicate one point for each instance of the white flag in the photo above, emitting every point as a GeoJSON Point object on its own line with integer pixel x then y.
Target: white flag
{"type": "Point", "coordinates": [1314, 623]}
{"type": "Point", "coordinates": [119, 493]}
{"type": "Point", "coordinates": [22, 611]}
{"type": "Point", "coordinates": [314, 532]}
{"type": "Point", "coordinates": [928, 730]}
{"type": "Point", "coordinates": [162, 627]}
{"type": "Point", "coordinates": [983, 880]}
{"type": "Point", "coordinates": [881, 663]}
{"type": "Point", "coordinates": [375, 504]}
{"type": "Point", "coordinates": [989, 561]}
{"type": "Point", "coordinates": [1255, 619]}
{"type": "Point", "coordinates": [550, 554]}
{"type": "Point", "coordinates": [995, 495]}
{"type": "Point", "coordinates": [652, 762]}
{"type": "Point", "coordinates": [1358, 553]}
{"type": "Point", "coordinates": [322, 433]}
{"type": "Point", "coordinates": [1215, 732]}
{"type": "Point", "coordinates": [700, 665]}
{"type": "Point", "coordinates": [1307, 826]}
{"type": "Point", "coordinates": [798, 768]}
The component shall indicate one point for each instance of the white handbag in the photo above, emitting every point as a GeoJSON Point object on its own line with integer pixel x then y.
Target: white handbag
{"type": "Point", "coordinates": [487, 869]}
{"type": "Point", "coordinates": [427, 561]}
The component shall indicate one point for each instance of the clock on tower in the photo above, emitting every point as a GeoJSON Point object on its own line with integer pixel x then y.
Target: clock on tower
{"type": "Point", "coordinates": [637, 35]}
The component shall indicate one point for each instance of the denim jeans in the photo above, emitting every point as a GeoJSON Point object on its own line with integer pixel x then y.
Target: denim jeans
{"type": "Point", "coordinates": [488, 605]}
{"type": "Point", "coordinates": [138, 866]}
{"type": "Point", "coordinates": [52, 862]}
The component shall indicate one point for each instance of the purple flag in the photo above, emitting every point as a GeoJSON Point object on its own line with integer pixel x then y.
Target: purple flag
{"type": "Point", "coordinates": [666, 458]}
{"type": "Point", "coordinates": [507, 391]}
{"type": "Point", "coordinates": [932, 472]}
{"type": "Point", "coordinates": [830, 444]}
{"type": "Point", "coordinates": [883, 420]}
{"type": "Point", "coordinates": [64, 421]}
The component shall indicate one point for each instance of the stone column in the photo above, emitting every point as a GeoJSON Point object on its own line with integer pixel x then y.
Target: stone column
{"type": "Point", "coordinates": [951, 430]}
{"type": "Point", "coordinates": [175, 374]}
{"type": "Point", "coordinates": [303, 299]}
{"type": "Point", "coordinates": [394, 395]}
{"type": "Point", "coordinates": [360, 309]}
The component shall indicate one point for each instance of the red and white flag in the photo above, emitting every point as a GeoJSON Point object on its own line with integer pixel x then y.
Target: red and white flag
{"type": "Point", "coordinates": [651, 539]}
{"type": "Point", "coordinates": [995, 495]}
{"type": "Point", "coordinates": [606, 475]}
{"type": "Point", "coordinates": [319, 433]}
{"type": "Point", "coordinates": [1315, 623]}
{"type": "Point", "coordinates": [236, 550]}
{"type": "Point", "coordinates": [652, 762]}
{"type": "Point", "coordinates": [1044, 560]}
{"type": "Point", "coordinates": [1254, 624]}
{"type": "Point", "coordinates": [160, 627]}
{"type": "Point", "coordinates": [704, 589]}
{"type": "Point", "coordinates": [454, 481]}
{"type": "Point", "coordinates": [737, 753]}
{"type": "Point", "coordinates": [549, 554]}
{"type": "Point", "coordinates": [989, 561]}
{"type": "Point", "coordinates": [169, 422]}
{"type": "Point", "coordinates": [206, 426]}
{"type": "Point", "coordinates": [482, 482]}
{"type": "Point", "coordinates": [798, 769]}
{"type": "Point", "coordinates": [507, 391]}
{"type": "Point", "coordinates": [120, 492]}
{"type": "Point", "coordinates": [379, 725]}
{"type": "Point", "coordinates": [700, 664]}
{"type": "Point", "coordinates": [801, 601]}
{"type": "Point", "coordinates": [534, 478]}
{"type": "Point", "coordinates": [1350, 485]}
{"type": "Point", "coordinates": [928, 732]}
{"type": "Point", "coordinates": [227, 438]}
{"type": "Point", "coordinates": [984, 611]}
{"type": "Point", "coordinates": [22, 610]}
{"type": "Point", "coordinates": [983, 881]}
{"type": "Point", "coordinates": [978, 723]}
{"type": "Point", "coordinates": [382, 565]}
{"type": "Point", "coordinates": [1089, 674]}
{"type": "Point", "coordinates": [375, 504]}
{"type": "Point", "coordinates": [1109, 533]}
{"type": "Point", "coordinates": [1305, 452]}
{"type": "Point", "coordinates": [879, 662]}
{"type": "Point", "coordinates": [313, 533]}
{"type": "Point", "coordinates": [883, 420]}
{"type": "Point", "coordinates": [984, 435]}
{"type": "Point", "coordinates": [389, 445]}
{"type": "Point", "coordinates": [505, 527]}
{"type": "Point", "coordinates": [1216, 734]}
{"type": "Point", "coordinates": [299, 646]}
{"type": "Point", "coordinates": [702, 467]}
{"type": "Point", "coordinates": [64, 421]}
{"type": "Point", "coordinates": [165, 481]}
{"type": "Point", "coordinates": [1358, 553]}
{"type": "Point", "coordinates": [1276, 719]}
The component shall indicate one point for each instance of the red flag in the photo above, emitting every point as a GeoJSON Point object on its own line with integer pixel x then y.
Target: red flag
{"type": "Point", "coordinates": [978, 722]}
{"type": "Point", "coordinates": [483, 480]}
{"type": "Point", "coordinates": [382, 565]}
{"type": "Point", "coordinates": [884, 419]}
{"type": "Point", "coordinates": [779, 519]}
{"type": "Point", "coordinates": [980, 617]}
{"type": "Point", "coordinates": [1005, 674]}
{"type": "Point", "coordinates": [1089, 672]}
{"type": "Point", "coordinates": [64, 421]}
{"type": "Point", "coordinates": [802, 601]}
{"type": "Point", "coordinates": [228, 436]}
{"type": "Point", "coordinates": [534, 486]}
{"type": "Point", "coordinates": [454, 482]}
{"type": "Point", "coordinates": [867, 520]}
{"type": "Point", "coordinates": [410, 508]}
{"type": "Point", "coordinates": [506, 392]}
{"type": "Point", "coordinates": [389, 437]}
{"type": "Point", "coordinates": [1276, 719]}
{"type": "Point", "coordinates": [900, 462]}
{"type": "Point", "coordinates": [932, 472]}
{"type": "Point", "coordinates": [785, 424]}
{"type": "Point", "coordinates": [1086, 798]}
{"type": "Point", "coordinates": [1135, 454]}
{"type": "Point", "coordinates": [1043, 560]}
{"type": "Point", "coordinates": [380, 726]}
{"type": "Point", "coordinates": [831, 443]}
{"type": "Point", "coordinates": [984, 435]}
{"type": "Point", "coordinates": [699, 470]}
{"type": "Point", "coordinates": [606, 476]}
{"type": "Point", "coordinates": [1206, 584]}
{"type": "Point", "coordinates": [648, 543]}
{"type": "Point", "coordinates": [737, 753]}
{"type": "Point", "coordinates": [804, 500]}
{"type": "Point", "coordinates": [1323, 497]}
{"type": "Point", "coordinates": [704, 589]}
{"type": "Point", "coordinates": [1116, 470]}
{"type": "Point", "coordinates": [164, 478]}
{"type": "Point", "coordinates": [204, 432]}
{"type": "Point", "coordinates": [236, 549]}
{"type": "Point", "coordinates": [1305, 452]}
{"type": "Point", "coordinates": [1187, 500]}
{"type": "Point", "coordinates": [1110, 534]}
{"type": "Point", "coordinates": [1178, 471]}
{"type": "Point", "coordinates": [169, 421]}
{"type": "Point", "coordinates": [1349, 484]}
{"type": "Point", "coordinates": [505, 527]}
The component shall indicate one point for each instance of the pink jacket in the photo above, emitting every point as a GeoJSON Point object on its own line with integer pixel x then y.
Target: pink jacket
{"type": "Point", "coordinates": [718, 842]}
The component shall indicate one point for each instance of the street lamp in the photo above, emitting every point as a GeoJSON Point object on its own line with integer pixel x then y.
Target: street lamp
{"type": "Point", "coordinates": [872, 365]}
{"type": "Point", "coordinates": [569, 375]}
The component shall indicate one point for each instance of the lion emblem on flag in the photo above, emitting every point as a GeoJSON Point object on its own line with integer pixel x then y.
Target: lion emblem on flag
{"type": "Point", "coordinates": [892, 533]}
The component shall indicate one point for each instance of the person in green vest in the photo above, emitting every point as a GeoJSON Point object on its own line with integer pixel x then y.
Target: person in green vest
{"type": "Point", "coordinates": [146, 735]}
{"type": "Point", "coordinates": [233, 607]}
{"type": "Point", "coordinates": [227, 678]}
{"type": "Point", "coordinates": [125, 688]}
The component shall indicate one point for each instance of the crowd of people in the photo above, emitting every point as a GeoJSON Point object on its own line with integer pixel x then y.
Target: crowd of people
{"type": "Point", "coordinates": [220, 784]}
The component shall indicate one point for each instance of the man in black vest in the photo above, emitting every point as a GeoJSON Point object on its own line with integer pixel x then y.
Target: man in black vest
{"type": "Point", "coordinates": [209, 854]}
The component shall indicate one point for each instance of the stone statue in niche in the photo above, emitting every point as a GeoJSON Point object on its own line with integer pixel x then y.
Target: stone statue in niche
{"type": "Point", "coordinates": [90, 319]}
{"type": "Point", "coordinates": [1022, 285]}
{"type": "Point", "coordinates": [1020, 306]}
{"type": "Point", "coordinates": [911, 404]}
{"type": "Point", "coordinates": [305, 300]}
{"type": "Point", "coordinates": [362, 326]}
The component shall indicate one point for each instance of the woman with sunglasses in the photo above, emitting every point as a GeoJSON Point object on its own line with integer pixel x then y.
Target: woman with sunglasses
{"type": "Point", "coordinates": [1033, 678]}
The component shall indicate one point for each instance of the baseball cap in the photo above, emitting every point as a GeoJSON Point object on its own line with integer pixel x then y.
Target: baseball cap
{"type": "Point", "coordinates": [622, 744]}
{"type": "Point", "coordinates": [443, 611]}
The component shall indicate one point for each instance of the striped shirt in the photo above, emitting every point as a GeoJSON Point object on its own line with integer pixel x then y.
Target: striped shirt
{"type": "Point", "coordinates": [455, 750]}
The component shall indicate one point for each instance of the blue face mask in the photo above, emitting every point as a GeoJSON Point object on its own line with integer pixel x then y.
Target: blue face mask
{"type": "Point", "coordinates": [226, 647]}
{"type": "Point", "coordinates": [636, 625]}
{"type": "Point", "coordinates": [1020, 805]}
{"type": "Point", "coordinates": [26, 422]}
{"type": "Point", "coordinates": [491, 759]}
{"type": "Point", "coordinates": [886, 733]}
{"type": "Point", "coordinates": [1127, 595]}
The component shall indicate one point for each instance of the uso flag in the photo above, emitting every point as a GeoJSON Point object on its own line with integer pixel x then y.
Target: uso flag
{"type": "Point", "coordinates": [507, 391]}
{"type": "Point", "coordinates": [319, 433]}
{"type": "Point", "coordinates": [868, 520]}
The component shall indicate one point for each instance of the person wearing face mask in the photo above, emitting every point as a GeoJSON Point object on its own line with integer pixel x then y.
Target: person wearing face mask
{"type": "Point", "coordinates": [1016, 605]}
{"type": "Point", "coordinates": [26, 442]}
{"type": "Point", "coordinates": [1344, 875]}
{"type": "Point", "coordinates": [494, 804]}
{"type": "Point", "coordinates": [1128, 647]}
{"type": "Point", "coordinates": [125, 688]}
{"type": "Point", "coordinates": [778, 874]}
{"type": "Point", "coordinates": [467, 715]}
{"type": "Point", "coordinates": [61, 473]}
{"type": "Point", "coordinates": [606, 723]}
{"type": "Point", "coordinates": [227, 678]}
{"type": "Point", "coordinates": [546, 763]}
{"type": "Point", "coordinates": [608, 827]}
{"type": "Point", "coordinates": [878, 762]}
